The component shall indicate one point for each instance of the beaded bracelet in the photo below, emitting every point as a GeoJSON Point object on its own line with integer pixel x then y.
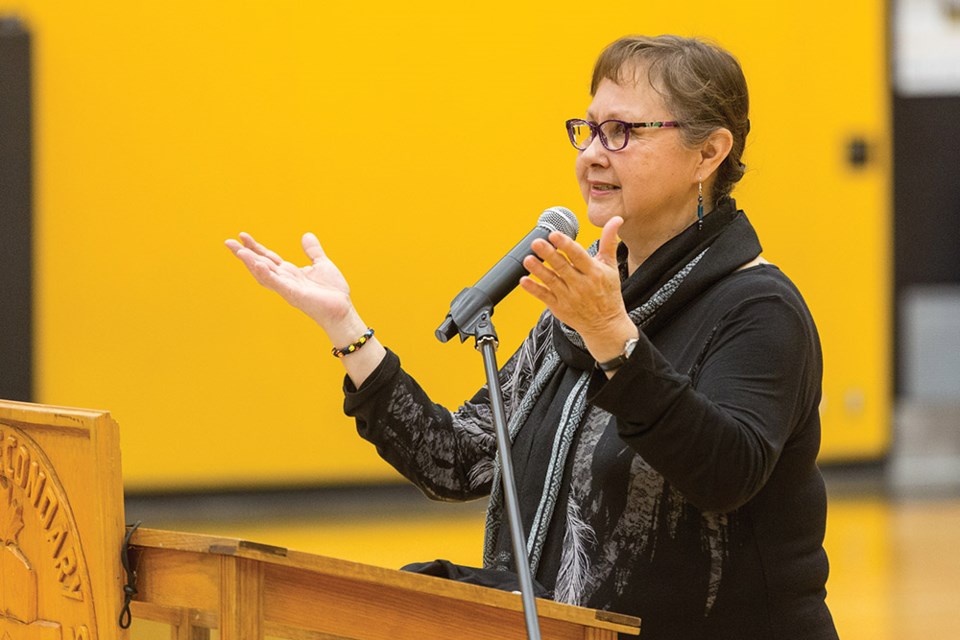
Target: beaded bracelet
{"type": "Point", "coordinates": [350, 348]}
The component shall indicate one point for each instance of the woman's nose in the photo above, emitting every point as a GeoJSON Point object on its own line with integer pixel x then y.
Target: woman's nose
{"type": "Point", "coordinates": [595, 153]}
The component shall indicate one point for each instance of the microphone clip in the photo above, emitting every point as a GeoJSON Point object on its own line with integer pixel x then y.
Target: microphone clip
{"type": "Point", "coordinates": [469, 311]}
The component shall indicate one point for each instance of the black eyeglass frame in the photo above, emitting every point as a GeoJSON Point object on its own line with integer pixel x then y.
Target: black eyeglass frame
{"type": "Point", "coordinates": [596, 130]}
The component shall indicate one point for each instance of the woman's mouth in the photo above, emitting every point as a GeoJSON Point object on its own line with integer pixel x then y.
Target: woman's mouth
{"type": "Point", "coordinates": [603, 187]}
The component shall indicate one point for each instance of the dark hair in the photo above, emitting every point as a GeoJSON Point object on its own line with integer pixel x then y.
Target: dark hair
{"type": "Point", "coordinates": [701, 84]}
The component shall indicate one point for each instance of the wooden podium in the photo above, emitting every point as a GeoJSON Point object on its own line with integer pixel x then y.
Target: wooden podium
{"type": "Point", "coordinates": [61, 519]}
{"type": "Point", "coordinates": [61, 524]}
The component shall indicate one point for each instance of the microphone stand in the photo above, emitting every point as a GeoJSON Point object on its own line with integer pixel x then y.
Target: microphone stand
{"type": "Point", "coordinates": [485, 335]}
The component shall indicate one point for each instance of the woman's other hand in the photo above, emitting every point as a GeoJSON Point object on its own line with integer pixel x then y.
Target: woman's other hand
{"type": "Point", "coordinates": [318, 289]}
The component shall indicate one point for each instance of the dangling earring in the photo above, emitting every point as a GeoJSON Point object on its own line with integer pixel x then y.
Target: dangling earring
{"type": "Point", "coordinates": [699, 203]}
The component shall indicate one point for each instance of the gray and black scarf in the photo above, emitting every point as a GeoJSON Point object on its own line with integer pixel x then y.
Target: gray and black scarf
{"type": "Point", "coordinates": [676, 273]}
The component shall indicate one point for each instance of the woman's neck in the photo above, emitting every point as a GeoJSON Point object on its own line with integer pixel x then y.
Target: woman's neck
{"type": "Point", "coordinates": [639, 249]}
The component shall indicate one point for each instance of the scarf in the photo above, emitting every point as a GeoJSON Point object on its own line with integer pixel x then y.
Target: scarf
{"type": "Point", "coordinates": [677, 272]}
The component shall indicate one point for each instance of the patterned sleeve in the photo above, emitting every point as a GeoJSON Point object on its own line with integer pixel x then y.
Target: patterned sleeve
{"type": "Point", "coordinates": [448, 454]}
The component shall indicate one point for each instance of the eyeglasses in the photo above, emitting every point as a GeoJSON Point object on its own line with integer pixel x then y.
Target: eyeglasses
{"type": "Point", "coordinates": [614, 134]}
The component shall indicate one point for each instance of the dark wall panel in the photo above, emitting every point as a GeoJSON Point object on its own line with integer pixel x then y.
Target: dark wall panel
{"type": "Point", "coordinates": [926, 201]}
{"type": "Point", "coordinates": [926, 190]}
{"type": "Point", "coordinates": [16, 213]}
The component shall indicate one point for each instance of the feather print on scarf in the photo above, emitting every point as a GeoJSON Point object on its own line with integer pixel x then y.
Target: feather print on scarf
{"type": "Point", "coordinates": [578, 541]}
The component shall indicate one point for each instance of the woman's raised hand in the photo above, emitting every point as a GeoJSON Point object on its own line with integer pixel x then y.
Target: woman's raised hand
{"type": "Point", "coordinates": [318, 289]}
{"type": "Point", "coordinates": [582, 291]}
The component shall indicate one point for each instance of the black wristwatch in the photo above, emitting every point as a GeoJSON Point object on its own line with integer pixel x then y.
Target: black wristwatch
{"type": "Point", "coordinates": [621, 359]}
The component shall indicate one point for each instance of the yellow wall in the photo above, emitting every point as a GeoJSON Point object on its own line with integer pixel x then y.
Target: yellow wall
{"type": "Point", "coordinates": [165, 127]}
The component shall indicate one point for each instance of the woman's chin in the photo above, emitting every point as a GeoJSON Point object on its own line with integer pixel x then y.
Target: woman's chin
{"type": "Point", "coordinates": [600, 215]}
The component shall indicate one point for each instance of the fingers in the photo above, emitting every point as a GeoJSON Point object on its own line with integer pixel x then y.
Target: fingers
{"type": "Point", "coordinates": [311, 247]}
{"type": "Point", "coordinates": [250, 258]}
{"type": "Point", "coordinates": [562, 269]}
{"type": "Point", "coordinates": [259, 249]}
{"type": "Point", "coordinates": [537, 290]}
{"type": "Point", "coordinates": [541, 271]}
{"type": "Point", "coordinates": [608, 241]}
{"type": "Point", "coordinates": [309, 242]}
{"type": "Point", "coordinates": [259, 261]}
{"type": "Point", "coordinates": [562, 253]}
{"type": "Point", "coordinates": [233, 245]}
{"type": "Point", "coordinates": [558, 268]}
{"type": "Point", "coordinates": [261, 267]}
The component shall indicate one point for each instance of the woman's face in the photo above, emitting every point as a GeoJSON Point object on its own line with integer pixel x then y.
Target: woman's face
{"type": "Point", "coordinates": [652, 182]}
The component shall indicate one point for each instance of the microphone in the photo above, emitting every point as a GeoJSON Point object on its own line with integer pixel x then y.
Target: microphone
{"type": "Point", "coordinates": [467, 307]}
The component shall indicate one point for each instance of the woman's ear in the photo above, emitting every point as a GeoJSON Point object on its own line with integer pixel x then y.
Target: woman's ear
{"type": "Point", "coordinates": [714, 151]}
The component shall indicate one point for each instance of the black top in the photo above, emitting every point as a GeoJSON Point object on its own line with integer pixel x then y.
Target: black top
{"type": "Point", "coordinates": [691, 496]}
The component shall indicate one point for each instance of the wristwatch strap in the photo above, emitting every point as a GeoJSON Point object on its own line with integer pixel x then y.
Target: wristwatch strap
{"type": "Point", "coordinates": [620, 360]}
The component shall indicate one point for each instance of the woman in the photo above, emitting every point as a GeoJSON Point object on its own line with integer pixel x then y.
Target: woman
{"type": "Point", "coordinates": [664, 410]}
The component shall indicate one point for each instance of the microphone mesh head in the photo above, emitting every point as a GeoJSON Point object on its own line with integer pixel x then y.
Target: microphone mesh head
{"type": "Point", "coordinates": [560, 219]}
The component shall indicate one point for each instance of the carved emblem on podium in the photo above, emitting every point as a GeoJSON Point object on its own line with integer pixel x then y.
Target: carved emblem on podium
{"type": "Point", "coordinates": [44, 582]}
